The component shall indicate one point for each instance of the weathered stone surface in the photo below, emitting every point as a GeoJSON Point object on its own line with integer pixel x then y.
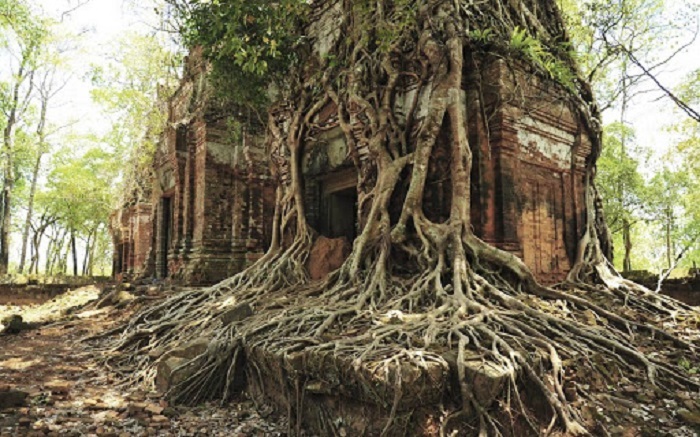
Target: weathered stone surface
{"type": "Point", "coordinates": [370, 382]}
{"type": "Point", "coordinates": [327, 255]}
{"type": "Point", "coordinates": [360, 395]}
{"type": "Point", "coordinates": [132, 232]}
{"type": "Point", "coordinates": [236, 314]}
{"type": "Point", "coordinates": [154, 409]}
{"type": "Point", "coordinates": [116, 297]}
{"type": "Point", "coordinates": [484, 378]}
{"type": "Point", "coordinates": [168, 369]}
{"type": "Point", "coordinates": [58, 387]}
{"type": "Point", "coordinates": [211, 202]}
{"type": "Point", "coordinates": [167, 375]}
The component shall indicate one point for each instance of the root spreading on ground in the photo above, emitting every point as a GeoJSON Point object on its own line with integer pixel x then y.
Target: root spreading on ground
{"type": "Point", "coordinates": [415, 291]}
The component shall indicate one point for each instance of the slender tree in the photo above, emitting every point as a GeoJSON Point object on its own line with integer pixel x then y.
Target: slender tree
{"type": "Point", "coordinates": [25, 43]}
{"type": "Point", "coordinates": [48, 86]}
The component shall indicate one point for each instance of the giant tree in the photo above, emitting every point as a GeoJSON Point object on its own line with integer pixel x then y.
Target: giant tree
{"type": "Point", "coordinates": [414, 289]}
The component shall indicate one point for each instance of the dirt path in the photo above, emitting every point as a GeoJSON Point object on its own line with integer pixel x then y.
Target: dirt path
{"type": "Point", "coordinates": [68, 392]}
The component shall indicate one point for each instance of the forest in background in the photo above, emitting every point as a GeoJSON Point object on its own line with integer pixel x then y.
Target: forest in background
{"type": "Point", "coordinates": [61, 179]}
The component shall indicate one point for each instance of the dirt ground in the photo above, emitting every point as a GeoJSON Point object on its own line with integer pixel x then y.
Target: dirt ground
{"type": "Point", "coordinates": [54, 383]}
{"type": "Point", "coordinates": [70, 392]}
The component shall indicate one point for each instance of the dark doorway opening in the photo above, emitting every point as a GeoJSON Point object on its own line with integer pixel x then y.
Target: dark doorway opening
{"type": "Point", "coordinates": [340, 214]}
{"type": "Point", "coordinates": [181, 138]}
{"type": "Point", "coordinates": [119, 268]}
{"type": "Point", "coordinates": [166, 211]}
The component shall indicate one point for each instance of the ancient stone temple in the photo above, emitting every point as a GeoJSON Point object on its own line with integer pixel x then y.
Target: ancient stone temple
{"type": "Point", "coordinates": [211, 207]}
{"type": "Point", "coordinates": [212, 198]}
{"type": "Point", "coordinates": [212, 204]}
{"type": "Point", "coordinates": [527, 177]}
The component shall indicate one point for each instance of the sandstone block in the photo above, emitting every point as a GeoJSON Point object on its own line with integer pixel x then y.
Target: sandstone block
{"type": "Point", "coordinates": [168, 371]}
{"type": "Point", "coordinates": [236, 314]}
{"type": "Point", "coordinates": [485, 378]}
{"type": "Point", "coordinates": [327, 255]}
{"type": "Point", "coordinates": [13, 324]}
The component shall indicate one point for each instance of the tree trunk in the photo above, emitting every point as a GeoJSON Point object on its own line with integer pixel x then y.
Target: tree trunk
{"type": "Point", "coordinates": [16, 108]}
{"type": "Point", "coordinates": [626, 226]}
{"type": "Point", "coordinates": [669, 243]}
{"type": "Point", "coordinates": [36, 244]}
{"type": "Point", "coordinates": [627, 241]}
{"type": "Point", "coordinates": [54, 260]}
{"type": "Point", "coordinates": [74, 252]}
{"type": "Point", "coordinates": [8, 186]}
{"type": "Point", "coordinates": [86, 257]}
{"type": "Point", "coordinates": [34, 261]}
{"type": "Point", "coordinates": [49, 256]}
{"type": "Point", "coordinates": [91, 257]}
{"type": "Point", "coordinates": [41, 132]}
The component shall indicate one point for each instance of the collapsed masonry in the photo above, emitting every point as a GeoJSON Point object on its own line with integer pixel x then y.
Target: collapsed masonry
{"type": "Point", "coordinates": [211, 207]}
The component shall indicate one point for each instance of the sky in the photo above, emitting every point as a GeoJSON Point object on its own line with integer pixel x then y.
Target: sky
{"type": "Point", "coordinates": [102, 22]}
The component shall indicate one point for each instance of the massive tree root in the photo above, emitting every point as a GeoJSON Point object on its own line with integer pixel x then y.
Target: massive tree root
{"type": "Point", "coordinates": [416, 290]}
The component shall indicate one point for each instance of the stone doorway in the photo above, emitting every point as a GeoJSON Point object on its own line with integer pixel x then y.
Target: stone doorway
{"type": "Point", "coordinates": [340, 215]}
{"type": "Point", "coordinates": [338, 209]}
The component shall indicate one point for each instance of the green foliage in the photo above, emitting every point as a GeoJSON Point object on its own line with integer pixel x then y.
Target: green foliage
{"type": "Point", "coordinates": [481, 36]}
{"type": "Point", "coordinates": [533, 50]}
{"type": "Point", "coordinates": [604, 34]}
{"type": "Point", "coordinates": [249, 42]}
{"type": "Point", "coordinates": [80, 188]}
{"type": "Point", "coordinates": [259, 35]}
{"type": "Point", "coordinates": [132, 90]}
{"type": "Point", "coordinates": [618, 177]}
{"type": "Point", "coordinates": [389, 27]}
{"type": "Point", "coordinates": [687, 365]}
{"type": "Point", "coordinates": [621, 185]}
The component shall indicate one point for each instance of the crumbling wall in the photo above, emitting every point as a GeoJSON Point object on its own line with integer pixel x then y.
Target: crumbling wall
{"type": "Point", "coordinates": [527, 176]}
{"type": "Point", "coordinates": [214, 185]}
{"type": "Point", "coordinates": [131, 229]}
{"type": "Point", "coordinates": [529, 168]}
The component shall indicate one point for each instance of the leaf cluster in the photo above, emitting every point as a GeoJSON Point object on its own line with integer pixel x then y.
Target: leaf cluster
{"type": "Point", "coordinates": [251, 42]}
{"type": "Point", "coordinates": [533, 50]}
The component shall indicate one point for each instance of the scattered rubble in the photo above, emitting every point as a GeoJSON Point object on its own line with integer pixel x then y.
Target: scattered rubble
{"type": "Point", "coordinates": [51, 311]}
{"type": "Point", "coordinates": [13, 324]}
{"type": "Point", "coordinates": [53, 383]}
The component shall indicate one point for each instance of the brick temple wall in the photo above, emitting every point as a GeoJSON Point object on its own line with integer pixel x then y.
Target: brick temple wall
{"type": "Point", "coordinates": [132, 232]}
{"type": "Point", "coordinates": [213, 180]}
{"type": "Point", "coordinates": [528, 168]}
